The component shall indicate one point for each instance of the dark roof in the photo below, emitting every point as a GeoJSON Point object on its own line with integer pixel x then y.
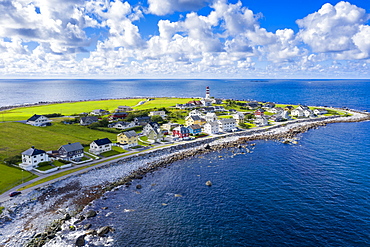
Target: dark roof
{"type": "Point", "coordinates": [34, 117]}
{"type": "Point", "coordinates": [142, 118]}
{"type": "Point", "coordinates": [195, 118]}
{"type": "Point", "coordinates": [33, 151]}
{"type": "Point", "coordinates": [103, 141]}
{"type": "Point", "coordinates": [154, 125]}
{"type": "Point", "coordinates": [194, 126]}
{"type": "Point", "coordinates": [130, 133]}
{"type": "Point", "coordinates": [70, 147]}
{"type": "Point", "coordinates": [92, 118]}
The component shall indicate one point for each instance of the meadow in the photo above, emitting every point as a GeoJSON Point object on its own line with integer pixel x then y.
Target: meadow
{"type": "Point", "coordinates": [75, 108]}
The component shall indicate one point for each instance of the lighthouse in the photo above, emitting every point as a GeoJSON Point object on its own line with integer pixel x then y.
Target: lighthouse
{"type": "Point", "coordinates": [207, 101]}
{"type": "Point", "coordinates": [207, 93]}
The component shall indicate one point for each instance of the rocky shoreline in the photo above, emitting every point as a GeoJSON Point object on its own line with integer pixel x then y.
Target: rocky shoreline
{"type": "Point", "coordinates": [63, 202]}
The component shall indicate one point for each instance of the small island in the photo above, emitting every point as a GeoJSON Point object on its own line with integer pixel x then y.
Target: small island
{"type": "Point", "coordinates": [49, 145]}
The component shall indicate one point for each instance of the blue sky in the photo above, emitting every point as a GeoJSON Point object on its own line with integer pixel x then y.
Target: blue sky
{"type": "Point", "coordinates": [184, 39]}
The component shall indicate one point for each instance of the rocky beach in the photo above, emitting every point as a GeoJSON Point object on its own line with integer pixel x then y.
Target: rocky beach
{"type": "Point", "coordinates": [54, 215]}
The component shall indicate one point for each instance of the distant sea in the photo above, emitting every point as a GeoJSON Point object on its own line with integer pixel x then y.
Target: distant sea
{"type": "Point", "coordinates": [316, 193]}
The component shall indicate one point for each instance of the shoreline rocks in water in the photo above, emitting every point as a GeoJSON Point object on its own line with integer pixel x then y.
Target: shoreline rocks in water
{"type": "Point", "coordinates": [73, 197]}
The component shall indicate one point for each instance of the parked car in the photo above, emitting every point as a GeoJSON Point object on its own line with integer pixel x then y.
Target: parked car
{"type": "Point", "coordinates": [14, 193]}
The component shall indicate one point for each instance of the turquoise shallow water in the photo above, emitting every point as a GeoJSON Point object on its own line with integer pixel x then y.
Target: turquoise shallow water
{"type": "Point", "coordinates": [315, 193]}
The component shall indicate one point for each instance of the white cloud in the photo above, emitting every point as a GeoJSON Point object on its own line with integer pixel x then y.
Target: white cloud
{"type": "Point", "coordinates": [332, 27]}
{"type": "Point", "coordinates": [163, 7]}
{"type": "Point", "coordinates": [44, 37]}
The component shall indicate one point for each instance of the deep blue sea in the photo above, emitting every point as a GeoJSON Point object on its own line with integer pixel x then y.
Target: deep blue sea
{"type": "Point", "coordinates": [316, 193]}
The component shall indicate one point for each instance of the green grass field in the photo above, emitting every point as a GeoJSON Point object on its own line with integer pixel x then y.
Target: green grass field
{"type": "Point", "coordinates": [11, 176]}
{"type": "Point", "coordinates": [162, 102]}
{"type": "Point", "coordinates": [66, 109]}
{"type": "Point", "coordinates": [18, 137]}
{"type": "Point", "coordinates": [23, 113]}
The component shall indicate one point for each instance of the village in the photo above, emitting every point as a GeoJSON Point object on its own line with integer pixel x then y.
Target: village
{"type": "Point", "coordinates": [205, 117]}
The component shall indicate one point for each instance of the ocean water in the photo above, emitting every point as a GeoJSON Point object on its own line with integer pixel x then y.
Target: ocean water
{"type": "Point", "coordinates": [315, 193]}
{"type": "Point", "coordinates": [339, 93]}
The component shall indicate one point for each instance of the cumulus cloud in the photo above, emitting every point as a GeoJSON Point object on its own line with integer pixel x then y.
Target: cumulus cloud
{"type": "Point", "coordinates": [332, 27]}
{"type": "Point", "coordinates": [46, 37]}
{"type": "Point", "coordinates": [163, 7]}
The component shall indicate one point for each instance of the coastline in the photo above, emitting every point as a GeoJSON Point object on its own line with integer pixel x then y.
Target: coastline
{"type": "Point", "coordinates": [70, 196]}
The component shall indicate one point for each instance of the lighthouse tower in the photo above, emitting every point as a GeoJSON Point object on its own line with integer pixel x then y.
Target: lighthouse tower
{"type": "Point", "coordinates": [207, 93]}
{"type": "Point", "coordinates": [207, 101]}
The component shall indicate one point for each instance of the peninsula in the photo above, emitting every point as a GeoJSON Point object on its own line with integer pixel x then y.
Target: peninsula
{"type": "Point", "coordinates": [123, 144]}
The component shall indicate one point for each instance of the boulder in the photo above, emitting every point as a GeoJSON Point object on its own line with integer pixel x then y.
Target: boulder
{"type": "Point", "coordinates": [87, 226]}
{"type": "Point", "coordinates": [138, 186]}
{"type": "Point", "coordinates": [80, 241]}
{"type": "Point", "coordinates": [104, 230]}
{"type": "Point", "coordinates": [209, 183]}
{"type": "Point", "coordinates": [90, 213]}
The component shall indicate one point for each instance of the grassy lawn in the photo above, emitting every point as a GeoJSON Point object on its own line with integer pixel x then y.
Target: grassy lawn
{"type": "Point", "coordinates": [65, 108]}
{"type": "Point", "coordinates": [11, 176]}
{"type": "Point", "coordinates": [58, 163]}
{"type": "Point", "coordinates": [162, 102]}
{"type": "Point", "coordinates": [225, 116]}
{"type": "Point", "coordinates": [45, 168]}
{"type": "Point", "coordinates": [17, 137]}
{"type": "Point", "coordinates": [110, 153]}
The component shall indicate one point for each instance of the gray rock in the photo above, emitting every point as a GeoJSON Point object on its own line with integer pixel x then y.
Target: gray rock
{"type": "Point", "coordinates": [90, 213]}
{"type": "Point", "coordinates": [80, 241]}
{"type": "Point", "coordinates": [104, 230]}
{"type": "Point", "coordinates": [87, 226]}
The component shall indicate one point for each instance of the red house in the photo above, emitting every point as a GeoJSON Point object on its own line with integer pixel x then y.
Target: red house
{"type": "Point", "coordinates": [259, 113]}
{"type": "Point", "coordinates": [118, 115]}
{"type": "Point", "coordinates": [181, 132]}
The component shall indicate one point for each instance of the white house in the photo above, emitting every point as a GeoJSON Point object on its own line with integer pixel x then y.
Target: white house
{"type": "Point", "coordinates": [32, 157]}
{"type": "Point", "coordinates": [239, 117]}
{"type": "Point", "coordinates": [38, 120]}
{"type": "Point", "coordinates": [100, 146]}
{"type": "Point", "coordinates": [99, 112]}
{"type": "Point", "coordinates": [297, 113]}
{"type": "Point", "coordinates": [195, 112]}
{"type": "Point", "coordinates": [308, 113]}
{"type": "Point", "coordinates": [210, 117]}
{"type": "Point", "coordinates": [122, 125]}
{"type": "Point", "coordinates": [226, 124]}
{"type": "Point", "coordinates": [162, 114]}
{"type": "Point", "coordinates": [261, 121]}
{"type": "Point", "coordinates": [276, 110]}
{"type": "Point", "coordinates": [320, 111]}
{"type": "Point", "coordinates": [211, 128]}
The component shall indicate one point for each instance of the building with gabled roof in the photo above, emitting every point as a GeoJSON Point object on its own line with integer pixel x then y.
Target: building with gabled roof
{"type": "Point", "coordinates": [71, 151]}
{"type": "Point", "coordinates": [100, 146]}
{"type": "Point", "coordinates": [181, 132]}
{"type": "Point", "coordinates": [127, 139]}
{"type": "Point", "coordinates": [38, 120]}
{"type": "Point", "coordinates": [32, 157]}
{"type": "Point", "coordinates": [84, 121]}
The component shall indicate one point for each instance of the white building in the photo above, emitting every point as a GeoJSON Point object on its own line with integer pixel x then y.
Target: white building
{"type": "Point", "coordinates": [226, 124]}
{"type": "Point", "coordinates": [239, 117]}
{"type": "Point", "coordinates": [122, 125]}
{"type": "Point", "coordinates": [320, 111]}
{"type": "Point", "coordinates": [207, 101]}
{"type": "Point", "coordinates": [261, 121]}
{"type": "Point", "coordinates": [210, 117]}
{"type": "Point", "coordinates": [196, 112]}
{"type": "Point", "coordinates": [100, 146]}
{"type": "Point", "coordinates": [32, 157]}
{"type": "Point", "coordinates": [211, 128]}
{"type": "Point", "coordinates": [38, 120]}
{"type": "Point", "coordinates": [162, 114]}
